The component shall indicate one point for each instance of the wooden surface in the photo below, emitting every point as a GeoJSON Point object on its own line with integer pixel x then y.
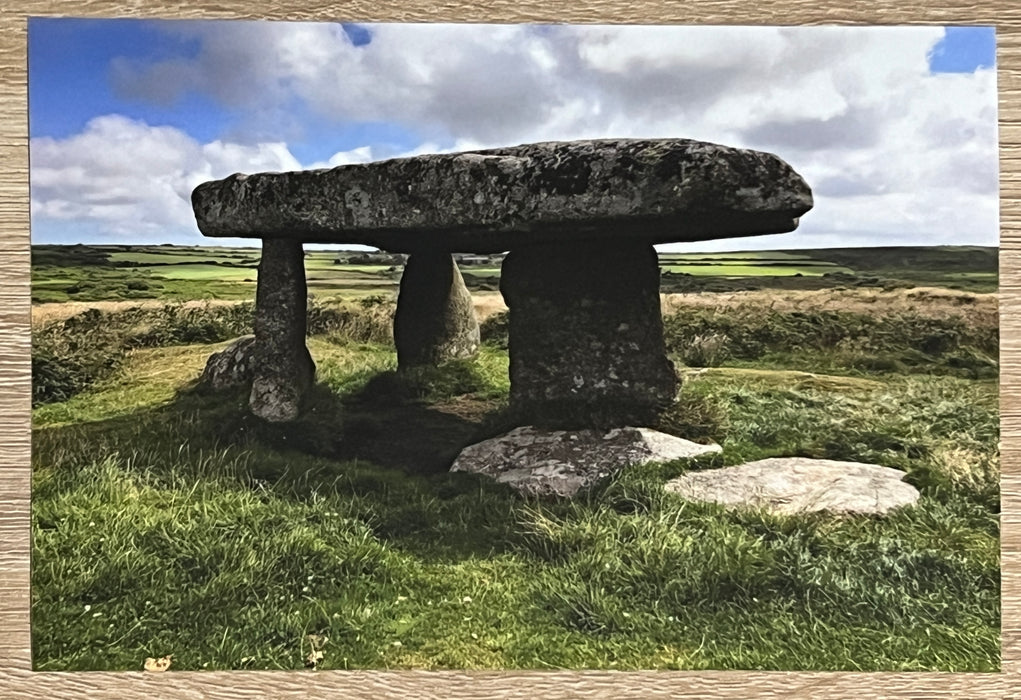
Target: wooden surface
{"type": "Point", "coordinates": [16, 678]}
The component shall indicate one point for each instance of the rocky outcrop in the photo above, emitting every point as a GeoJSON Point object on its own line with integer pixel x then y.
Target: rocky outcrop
{"type": "Point", "coordinates": [586, 335]}
{"type": "Point", "coordinates": [652, 191]}
{"type": "Point", "coordinates": [435, 318]}
{"type": "Point", "coordinates": [537, 462]}
{"type": "Point", "coordinates": [284, 369]}
{"type": "Point", "coordinates": [799, 485]}
{"type": "Point", "coordinates": [234, 366]}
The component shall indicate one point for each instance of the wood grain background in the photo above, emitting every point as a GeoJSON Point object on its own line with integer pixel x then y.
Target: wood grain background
{"type": "Point", "coordinates": [16, 677]}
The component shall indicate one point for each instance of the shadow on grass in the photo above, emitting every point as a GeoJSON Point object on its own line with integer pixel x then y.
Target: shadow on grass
{"type": "Point", "coordinates": [384, 450]}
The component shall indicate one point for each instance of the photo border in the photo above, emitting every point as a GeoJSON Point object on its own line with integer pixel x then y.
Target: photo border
{"type": "Point", "coordinates": [17, 680]}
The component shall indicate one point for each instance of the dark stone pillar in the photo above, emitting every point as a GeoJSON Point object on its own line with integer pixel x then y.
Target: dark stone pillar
{"type": "Point", "coordinates": [586, 335]}
{"type": "Point", "coordinates": [284, 368]}
{"type": "Point", "coordinates": [435, 319]}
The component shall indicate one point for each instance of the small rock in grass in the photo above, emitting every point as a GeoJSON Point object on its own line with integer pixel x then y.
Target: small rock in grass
{"type": "Point", "coordinates": [231, 367]}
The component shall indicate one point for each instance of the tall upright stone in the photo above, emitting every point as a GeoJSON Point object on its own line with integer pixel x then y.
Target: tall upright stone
{"type": "Point", "coordinates": [435, 318]}
{"type": "Point", "coordinates": [586, 335]}
{"type": "Point", "coordinates": [284, 368]}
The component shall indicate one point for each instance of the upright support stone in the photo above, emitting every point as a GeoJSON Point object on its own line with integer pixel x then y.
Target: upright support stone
{"type": "Point", "coordinates": [435, 319]}
{"type": "Point", "coordinates": [284, 370]}
{"type": "Point", "coordinates": [586, 335]}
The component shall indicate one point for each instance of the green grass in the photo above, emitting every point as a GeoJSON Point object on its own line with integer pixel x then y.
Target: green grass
{"type": "Point", "coordinates": [178, 257]}
{"type": "Point", "coordinates": [113, 273]}
{"type": "Point", "coordinates": [96, 273]}
{"type": "Point", "coordinates": [206, 272]}
{"type": "Point", "coordinates": [169, 521]}
{"type": "Point", "coordinates": [756, 255]}
{"type": "Point", "coordinates": [742, 270]}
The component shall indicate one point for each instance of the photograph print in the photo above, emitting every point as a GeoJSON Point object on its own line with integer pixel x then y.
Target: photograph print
{"type": "Point", "coordinates": [447, 347]}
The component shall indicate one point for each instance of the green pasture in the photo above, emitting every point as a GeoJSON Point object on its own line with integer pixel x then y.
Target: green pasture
{"type": "Point", "coordinates": [481, 271]}
{"type": "Point", "coordinates": [99, 273]}
{"type": "Point", "coordinates": [756, 255]}
{"type": "Point", "coordinates": [204, 272]}
{"type": "Point", "coordinates": [315, 266]}
{"type": "Point", "coordinates": [182, 258]}
{"type": "Point", "coordinates": [744, 270]}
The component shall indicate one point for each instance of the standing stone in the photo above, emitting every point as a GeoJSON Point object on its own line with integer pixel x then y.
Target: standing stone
{"type": "Point", "coordinates": [284, 370]}
{"type": "Point", "coordinates": [586, 335]}
{"type": "Point", "coordinates": [435, 319]}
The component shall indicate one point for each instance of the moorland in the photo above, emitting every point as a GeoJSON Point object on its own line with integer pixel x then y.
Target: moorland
{"type": "Point", "coordinates": [169, 521]}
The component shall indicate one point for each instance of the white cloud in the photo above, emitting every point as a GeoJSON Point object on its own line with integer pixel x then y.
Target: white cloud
{"type": "Point", "coordinates": [132, 179]}
{"type": "Point", "coordinates": [891, 150]}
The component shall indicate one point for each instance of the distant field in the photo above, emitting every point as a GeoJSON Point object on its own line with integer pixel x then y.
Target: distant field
{"type": "Point", "coordinates": [183, 257]}
{"type": "Point", "coordinates": [205, 272]}
{"type": "Point", "coordinates": [759, 255]}
{"type": "Point", "coordinates": [745, 270]}
{"type": "Point", "coordinates": [110, 273]}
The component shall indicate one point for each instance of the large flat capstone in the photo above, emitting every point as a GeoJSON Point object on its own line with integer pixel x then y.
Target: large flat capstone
{"type": "Point", "coordinates": [648, 191]}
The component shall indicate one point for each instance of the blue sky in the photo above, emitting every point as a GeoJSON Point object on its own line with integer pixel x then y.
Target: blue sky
{"type": "Point", "coordinates": [893, 127]}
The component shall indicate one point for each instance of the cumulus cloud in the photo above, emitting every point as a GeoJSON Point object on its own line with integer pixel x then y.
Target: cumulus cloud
{"type": "Point", "coordinates": [891, 150]}
{"type": "Point", "coordinates": [133, 179]}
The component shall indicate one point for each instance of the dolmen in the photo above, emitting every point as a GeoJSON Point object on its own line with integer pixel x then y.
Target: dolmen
{"type": "Point", "coordinates": [578, 221]}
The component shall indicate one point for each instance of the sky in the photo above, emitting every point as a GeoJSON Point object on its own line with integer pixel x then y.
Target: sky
{"type": "Point", "coordinates": [894, 128]}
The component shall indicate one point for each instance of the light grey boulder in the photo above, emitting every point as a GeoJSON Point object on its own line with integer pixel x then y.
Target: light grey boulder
{"type": "Point", "coordinates": [800, 485]}
{"type": "Point", "coordinates": [538, 462]}
{"type": "Point", "coordinates": [234, 366]}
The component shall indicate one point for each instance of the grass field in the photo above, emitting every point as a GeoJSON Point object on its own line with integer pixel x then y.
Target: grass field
{"type": "Point", "coordinates": [168, 520]}
{"type": "Point", "coordinates": [759, 270]}
{"type": "Point", "coordinates": [105, 273]}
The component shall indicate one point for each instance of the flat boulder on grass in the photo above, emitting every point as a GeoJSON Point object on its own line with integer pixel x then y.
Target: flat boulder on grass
{"type": "Point", "coordinates": [799, 485]}
{"type": "Point", "coordinates": [538, 462]}
{"type": "Point", "coordinates": [234, 366]}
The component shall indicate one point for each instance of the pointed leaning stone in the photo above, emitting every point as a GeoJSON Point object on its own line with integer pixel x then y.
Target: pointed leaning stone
{"type": "Point", "coordinates": [435, 318]}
